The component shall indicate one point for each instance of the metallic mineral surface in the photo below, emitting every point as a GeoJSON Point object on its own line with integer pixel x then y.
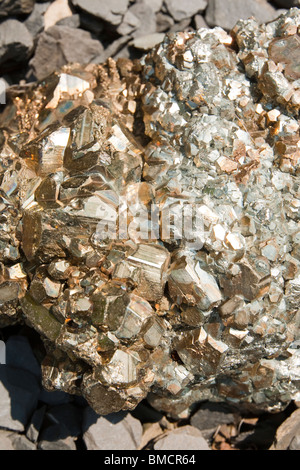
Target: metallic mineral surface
{"type": "Point", "coordinates": [150, 221]}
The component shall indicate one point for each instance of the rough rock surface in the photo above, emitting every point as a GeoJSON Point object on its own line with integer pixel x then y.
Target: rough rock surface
{"type": "Point", "coordinates": [60, 45]}
{"type": "Point", "coordinates": [210, 416]}
{"type": "Point", "coordinates": [118, 431]}
{"type": "Point", "coordinates": [181, 10]}
{"type": "Point", "coordinates": [35, 21]}
{"type": "Point", "coordinates": [216, 14]}
{"type": "Point", "coordinates": [186, 437]}
{"type": "Point", "coordinates": [111, 11]}
{"type": "Point", "coordinates": [16, 7]}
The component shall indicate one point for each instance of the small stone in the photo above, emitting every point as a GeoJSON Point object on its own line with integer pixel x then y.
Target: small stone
{"type": "Point", "coordinates": [6, 441]}
{"type": "Point", "coordinates": [119, 431]}
{"type": "Point", "coordinates": [163, 22]}
{"type": "Point", "coordinates": [129, 23]}
{"type": "Point", "coordinates": [200, 22]}
{"type": "Point", "coordinates": [183, 438]}
{"type": "Point", "coordinates": [148, 42]}
{"type": "Point", "coordinates": [156, 5]}
{"type": "Point", "coordinates": [217, 15]}
{"type": "Point", "coordinates": [295, 442]}
{"type": "Point", "coordinates": [112, 11]}
{"type": "Point", "coordinates": [16, 44]}
{"type": "Point", "coordinates": [210, 416]}
{"type": "Point", "coordinates": [60, 45]}
{"type": "Point", "coordinates": [146, 18]}
{"type": "Point", "coordinates": [57, 10]}
{"type": "Point", "coordinates": [21, 442]}
{"type": "Point", "coordinates": [150, 432]}
{"type": "Point", "coordinates": [73, 21]}
{"type": "Point", "coordinates": [182, 10]}
{"type": "Point", "coordinates": [181, 26]}
{"type": "Point", "coordinates": [35, 22]}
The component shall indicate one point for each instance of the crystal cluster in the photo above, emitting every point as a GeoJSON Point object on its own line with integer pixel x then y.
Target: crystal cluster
{"type": "Point", "coordinates": [130, 303]}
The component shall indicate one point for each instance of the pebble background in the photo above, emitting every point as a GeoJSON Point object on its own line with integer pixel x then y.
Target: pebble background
{"type": "Point", "coordinates": [37, 37]}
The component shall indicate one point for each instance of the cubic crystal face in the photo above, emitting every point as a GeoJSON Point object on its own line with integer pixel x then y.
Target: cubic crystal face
{"type": "Point", "coordinates": [150, 221]}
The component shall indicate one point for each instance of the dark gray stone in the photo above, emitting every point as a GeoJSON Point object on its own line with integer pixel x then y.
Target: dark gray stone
{"type": "Point", "coordinates": [181, 26]}
{"type": "Point", "coordinates": [147, 19]}
{"type": "Point", "coordinates": [183, 438]}
{"type": "Point", "coordinates": [200, 22]}
{"type": "Point", "coordinates": [111, 11]}
{"type": "Point", "coordinates": [117, 431]}
{"type": "Point", "coordinates": [155, 5]}
{"type": "Point", "coordinates": [35, 425]}
{"type": "Point", "coordinates": [217, 15]}
{"type": "Point", "coordinates": [19, 392]}
{"type": "Point", "coordinates": [35, 21]}
{"type": "Point", "coordinates": [181, 10]}
{"type": "Point", "coordinates": [60, 45]}
{"type": "Point", "coordinates": [16, 44]}
{"type": "Point", "coordinates": [129, 23]}
{"type": "Point", "coordinates": [69, 415]}
{"type": "Point", "coordinates": [19, 354]}
{"type": "Point", "coordinates": [55, 437]}
{"type": "Point", "coordinates": [210, 416]}
{"type": "Point", "coordinates": [5, 440]}
{"type": "Point", "coordinates": [163, 22]}
{"type": "Point", "coordinates": [146, 43]}
{"type": "Point", "coordinates": [16, 7]}
{"type": "Point", "coordinates": [70, 21]}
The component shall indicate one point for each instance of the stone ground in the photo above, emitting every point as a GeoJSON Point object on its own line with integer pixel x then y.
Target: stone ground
{"type": "Point", "coordinates": [36, 37]}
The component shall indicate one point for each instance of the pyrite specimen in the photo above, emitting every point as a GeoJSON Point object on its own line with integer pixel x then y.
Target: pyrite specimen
{"type": "Point", "coordinates": [150, 221]}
